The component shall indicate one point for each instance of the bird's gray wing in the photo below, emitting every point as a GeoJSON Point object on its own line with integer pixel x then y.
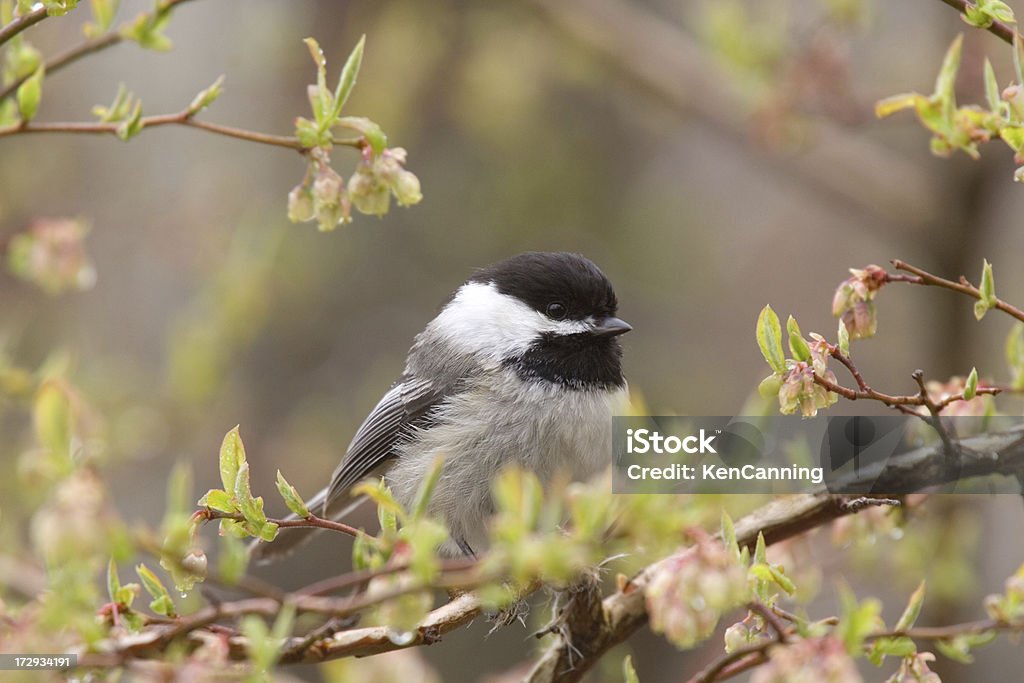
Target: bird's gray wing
{"type": "Point", "coordinates": [407, 406]}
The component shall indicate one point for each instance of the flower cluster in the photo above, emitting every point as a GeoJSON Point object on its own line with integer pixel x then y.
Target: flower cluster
{"type": "Point", "coordinates": [854, 303]}
{"type": "Point", "coordinates": [326, 197]}
{"type": "Point", "coordinates": [799, 390]}
{"type": "Point", "coordinates": [689, 592]}
{"type": "Point", "coordinates": [51, 254]}
{"type": "Point", "coordinates": [914, 669]}
{"type": "Point", "coordinates": [813, 660]}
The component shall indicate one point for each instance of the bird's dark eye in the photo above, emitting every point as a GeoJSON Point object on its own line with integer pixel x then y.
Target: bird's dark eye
{"type": "Point", "coordinates": [556, 311]}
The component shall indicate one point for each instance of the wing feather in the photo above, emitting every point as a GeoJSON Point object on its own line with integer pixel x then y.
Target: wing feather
{"type": "Point", "coordinates": [406, 406]}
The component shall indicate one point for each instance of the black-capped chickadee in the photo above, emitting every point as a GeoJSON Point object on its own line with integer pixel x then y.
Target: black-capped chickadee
{"type": "Point", "coordinates": [522, 366]}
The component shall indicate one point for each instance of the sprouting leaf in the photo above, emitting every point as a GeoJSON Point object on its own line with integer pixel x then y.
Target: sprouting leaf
{"type": "Point", "coordinates": [52, 418]}
{"type": "Point", "coordinates": [971, 386]}
{"type": "Point", "coordinates": [995, 102]}
{"type": "Point", "coordinates": [321, 100]}
{"type": "Point", "coordinates": [232, 455]}
{"type": "Point", "coordinates": [162, 602]}
{"type": "Point", "coordinates": [729, 534]}
{"type": "Point", "coordinates": [206, 97]}
{"type": "Point", "coordinates": [375, 137]}
{"type": "Point", "coordinates": [132, 124]}
{"type": "Point", "coordinates": [844, 338]}
{"type": "Point", "coordinates": [349, 73]}
{"type": "Point", "coordinates": [913, 608]}
{"type": "Point", "coordinates": [895, 103]}
{"type": "Point", "coordinates": [291, 497]}
{"type": "Point", "coordinates": [769, 338]}
{"type": "Point", "coordinates": [987, 292]}
{"type": "Point", "coordinates": [797, 344]}
{"type": "Point", "coordinates": [219, 500]}
{"type": "Point", "coordinates": [628, 672]}
{"type": "Point", "coordinates": [945, 82]}
{"type": "Point", "coordinates": [30, 93]}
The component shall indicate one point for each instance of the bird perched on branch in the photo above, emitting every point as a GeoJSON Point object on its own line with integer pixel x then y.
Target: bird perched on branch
{"type": "Point", "coordinates": [522, 366]}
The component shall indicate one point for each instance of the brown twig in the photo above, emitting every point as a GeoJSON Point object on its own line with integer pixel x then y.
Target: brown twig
{"type": "Point", "coordinates": [73, 54]}
{"type": "Point", "coordinates": [209, 514]}
{"type": "Point", "coordinates": [19, 24]}
{"type": "Point", "coordinates": [182, 118]}
{"type": "Point", "coordinates": [1004, 31]}
{"type": "Point", "coordinates": [923, 277]}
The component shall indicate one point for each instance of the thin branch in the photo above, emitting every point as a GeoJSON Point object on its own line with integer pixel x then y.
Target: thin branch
{"type": "Point", "coordinates": [73, 54]}
{"type": "Point", "coordinates": [182, 118]}
{"type": "Point", "coordinates": [312, 521]}
{"type": "Point", "coordinates": [1004, 31]}
{"type": "Point", "coordinates": [21, 23]}
{"type": "Point", "coordinates": [923, 277]}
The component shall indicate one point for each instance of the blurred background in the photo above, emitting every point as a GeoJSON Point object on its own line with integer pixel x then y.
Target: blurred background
{"type": "Point", "coordinates": [710, 156]}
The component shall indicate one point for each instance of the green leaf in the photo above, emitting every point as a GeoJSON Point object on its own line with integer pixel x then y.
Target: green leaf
{"type": "Point", "coordinates": [992, 88]}
{"type": "Point", "coordinates": [308, 133]}
{"type": "Point", "coordinates": [232, 456]}
{"type": "Point", "coordinates": [250, 506]}
{"type": "Point", "coordinates": [322, 102]}
{"type": "Point", "coordinates": [162, 602]}
{"type": "Point", "coordinates": [376, 138]}
{"type": "Point", "coordinates": [29, 94]}
{"type": "Point", "coordinates": [761, 550]}
{"type": "Point", "coordinates": [769, 338]}
{"type": "Point", "coordinates": [103, 12]}
{"type": "Point", "coordinates": [857, 620]}
{"type": "Point", "coordinates": [971, 387]}
{"type": "Point", "coordinates": [729, 534]}
{"type": "Point", "coordinates": [987, 292]}
{"type": "Point", "coordinates": [219, 500]}
{"type": "Point", "coordinates": [113, 582]}
{"type": "Point", "coordinates": [844, 338]}
{"type": "Point", "coordinates": [988, 287]}
{"type": "Point", "coordinates": [945, 82]}
{"type": "Point", "coordinates": [132, 124]}
{"type": "Point", "coordinates": [628, 672]}
{"type": "Point", "coordinates": [913, 609]}
{"type": "Point", "coordinates": [1018, 58]}
{"type": "Point", "coordinates": [349, 73]}
{"type": "Point", "coordinates": [783, 581]}
{"type": "Point", "coordinates": [895, 103]}
{"type": "Point", "coordinates": [206, 97]}
{"type": "Point", "coordinates": [890, 647]}
{"type": "Point", "coordinates": [797, 344]}
{"type": "Point", "coordinates": [291, 497]}
{"type": "Point", "coordinates": [769, 386]}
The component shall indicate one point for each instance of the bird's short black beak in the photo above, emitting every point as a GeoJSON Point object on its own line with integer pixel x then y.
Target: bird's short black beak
{"type": "Point", "coordinates": [610, 327]}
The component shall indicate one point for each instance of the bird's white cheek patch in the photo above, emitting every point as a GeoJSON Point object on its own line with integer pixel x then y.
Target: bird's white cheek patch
{"type": "Point", "coordinates": [483, 321]}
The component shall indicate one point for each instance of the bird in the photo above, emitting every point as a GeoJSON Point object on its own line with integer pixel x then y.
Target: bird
{"type": "Point", "coordinates": [521, 366]}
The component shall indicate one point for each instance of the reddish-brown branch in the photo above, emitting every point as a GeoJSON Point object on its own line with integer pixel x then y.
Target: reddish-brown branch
{"type": "Point", "coordinates": [998, 28]}
{"type": "Point", "coordinates": [73, 54]}
{"type": "Point", "coordinates": [209, 514]}
{"type": "Point", "coordinates": [923, 277]}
